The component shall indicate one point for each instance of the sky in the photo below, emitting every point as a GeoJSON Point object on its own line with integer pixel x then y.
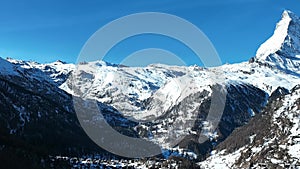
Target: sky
{"type": "Point", "coordinates": [46, 31]}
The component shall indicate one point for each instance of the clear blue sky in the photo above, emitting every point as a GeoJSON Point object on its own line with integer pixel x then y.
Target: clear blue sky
{"type": "Point", "coordinates": [46, 31]}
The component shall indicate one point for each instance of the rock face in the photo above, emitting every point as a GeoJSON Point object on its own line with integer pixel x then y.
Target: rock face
{"type": "Point", "coordinates": [38, 122]}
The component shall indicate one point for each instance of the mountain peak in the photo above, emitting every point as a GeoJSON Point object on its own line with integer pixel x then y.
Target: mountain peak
{"type": "Point", "coordinates": [283, 47]}
{"type": "Point", "coordinates": [289, 14]}
{"type": "Point", "coordinates": [285, 35]}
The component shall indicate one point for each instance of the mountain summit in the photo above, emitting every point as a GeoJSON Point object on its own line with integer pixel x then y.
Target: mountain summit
{"type": "Point", "coordinates": [282, 49]}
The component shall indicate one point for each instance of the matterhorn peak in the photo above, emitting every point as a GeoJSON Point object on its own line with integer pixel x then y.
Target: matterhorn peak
{"type": "Point", "coordinates": [282, 49]}
{"type": "Point", "coordinates": [286, 34]}
{"type": "Point", "coordinates": [289, 14]}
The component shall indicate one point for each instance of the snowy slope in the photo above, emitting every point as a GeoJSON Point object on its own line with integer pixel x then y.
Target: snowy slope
{"type": "Point", "coordinates": [7, 68]}
{"type": "Point", "coordinates": [128, 88]}
{"type": "Point", "coordinates": [56, 72]}
{"type": "Point", "coordinates": [277, 145]}
{"type": "Point", "coordinates": [261, 76]}
{"type": "Point", "coordinates": [147, 93]}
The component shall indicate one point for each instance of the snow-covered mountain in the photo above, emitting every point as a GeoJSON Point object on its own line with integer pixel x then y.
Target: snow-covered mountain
{"type": "Point", "coordinates": [270, 139]}
{"type": "Point", "coordinates": [157, 91]}
{"type": "Point", "coordinates": [282, 50]}
{"type": "Point", "coordinates": [170, 103]}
